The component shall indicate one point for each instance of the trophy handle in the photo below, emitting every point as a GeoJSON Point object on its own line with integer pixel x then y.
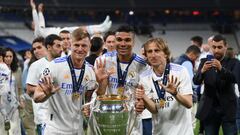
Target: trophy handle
{"type": "Point", "coordinates": [93, 124]}
{"type": "Point", "coordinates": [88, 90]}
{"type": "Point", "coordinates": [131, 127]}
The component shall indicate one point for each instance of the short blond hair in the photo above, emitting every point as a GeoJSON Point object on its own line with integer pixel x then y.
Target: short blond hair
{"type": "Point", "coordinates": [79, 34]}
{"type": "Point", "coordinates": [161, 44]}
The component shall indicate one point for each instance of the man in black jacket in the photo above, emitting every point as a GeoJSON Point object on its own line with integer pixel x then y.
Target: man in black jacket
{"type": "Point", "coordinates": [218, 104]}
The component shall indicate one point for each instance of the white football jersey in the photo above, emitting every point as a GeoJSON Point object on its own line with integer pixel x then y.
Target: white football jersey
{"type": "Point", "coordinates": [174, 118]}
{"type": "Point", "coordinates": [64, 113]}
{"type": "Point", "coordinates": [137, 66]}
{"type": "Point", "coordinates": [4, 76]}
{"type": "Point", "coordinates": [35, 72]}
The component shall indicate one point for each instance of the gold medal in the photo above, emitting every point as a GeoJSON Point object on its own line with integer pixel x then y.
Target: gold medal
{"type": "Point", "coordinates": [120, 90]}
{"type": "Point", "coordinates": [75, 96]}
{"type": "Point", "coordinates": [162, 103]}
{"type": "Point", "coordinates": [7, 125]}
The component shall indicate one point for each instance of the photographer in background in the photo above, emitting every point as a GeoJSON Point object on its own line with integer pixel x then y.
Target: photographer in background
{"type": "Point", "coordinates": [218, 103]}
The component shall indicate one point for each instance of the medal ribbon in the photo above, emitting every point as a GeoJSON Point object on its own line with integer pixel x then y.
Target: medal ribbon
{"type": "Point", "coordinates": [122, 77]}
{"type": "Point", "coordinates": [161, 92]}
{"type": "Point", "coordinates": [76, 83]}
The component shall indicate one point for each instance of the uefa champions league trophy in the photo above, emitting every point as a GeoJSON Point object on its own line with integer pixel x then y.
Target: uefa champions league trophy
{"type": "Point", "coordinates": [130, 87]}
{"type": "Point", "coordinates": [111, 113]}
{"type": "Point", "coordinates": [88, 90]}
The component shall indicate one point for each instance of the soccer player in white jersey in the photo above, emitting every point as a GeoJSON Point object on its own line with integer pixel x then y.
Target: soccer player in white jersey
{"type": "Point", "coordinates": [168, 91]}
{"type": "Point", "coordinates": [41, 30]}
{"type": "Point", "coordinates": [63, 87]}
{"type": "Point", "coordinates": [4, 85]}
{"type": "Point", "coordinates": [124, 65]}
{"type": "Point", "coordinates": [54, 49]}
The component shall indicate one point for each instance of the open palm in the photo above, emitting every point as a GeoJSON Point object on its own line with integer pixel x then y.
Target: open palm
{"type": "Point", "coordinates": [172, 85]}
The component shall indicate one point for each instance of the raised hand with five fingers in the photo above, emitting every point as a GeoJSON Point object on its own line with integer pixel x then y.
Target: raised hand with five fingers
{"type": "Point", "coordinates": [102, 75]}
{"type": "Point", "coordinates": [172, 85]}
{"type": "Point", "coordinates": [172, 88]}
{"type": "Point", "coordinates": [45, 89]}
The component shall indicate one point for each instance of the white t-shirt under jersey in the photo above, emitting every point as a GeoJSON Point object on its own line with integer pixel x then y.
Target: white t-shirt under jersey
{"type": "Point", "coordinates": [35, 72]}
{"type": "Point", "coordinates": [64, 113]}
{"type": "Point", "coordinates": [174, 118]}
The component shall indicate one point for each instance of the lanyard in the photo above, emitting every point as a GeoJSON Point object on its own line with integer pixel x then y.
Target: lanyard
{"type": "Point", "coordinates": [122, 76]}
{"type": "Point", "coordinates": [161, 92]}
{"type": "Point", "coordinates": [76, 83]}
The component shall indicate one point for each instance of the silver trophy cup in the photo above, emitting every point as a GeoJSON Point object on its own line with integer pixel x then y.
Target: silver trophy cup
{"type": "Point", "coordinates": [111, 114]}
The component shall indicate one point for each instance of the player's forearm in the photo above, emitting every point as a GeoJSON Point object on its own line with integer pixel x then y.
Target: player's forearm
{"type": "Point", "coordinates": [39, 96]}
{"type": "Point", "coordinates": [30, 89]}
{"type": "Point", "coordinates": [101, 90]}
{"type": "Point", "coordinates": [149, 104]}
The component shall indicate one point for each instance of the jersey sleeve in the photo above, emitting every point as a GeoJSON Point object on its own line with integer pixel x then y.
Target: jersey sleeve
{"type": "Point", "coordinates": [36, 22]}
{"type": "Point", "coordinates": [189, 67]}
{"type": "Point", "coordinates": [32, 75]}
{"type": "Point", "coordinates": [50, 70]}
{"type": "Point", "coordinates": [146, 83]}
{"type": "Point", "coordinates": [41, 19]}
{"type": "Point", "coordinates": [185, 86]}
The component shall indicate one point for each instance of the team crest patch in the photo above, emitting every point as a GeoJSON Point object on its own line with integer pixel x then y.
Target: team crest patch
{"type": "Point", "coordinates": [86, 78]}
{"type": "Point", "coordinates": [46, 72]}
{"type": "Point", "coordinates": [131, 74]}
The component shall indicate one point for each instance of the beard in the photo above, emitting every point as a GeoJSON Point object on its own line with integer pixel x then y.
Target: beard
{"type": "Point", "coordinates": [218, 56]}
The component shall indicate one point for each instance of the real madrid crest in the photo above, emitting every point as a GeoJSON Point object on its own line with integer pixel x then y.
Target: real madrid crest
{"type": "Point", "coordinates": [131, 75]}
{"type": "Point", "coordinates": [86, 78]}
